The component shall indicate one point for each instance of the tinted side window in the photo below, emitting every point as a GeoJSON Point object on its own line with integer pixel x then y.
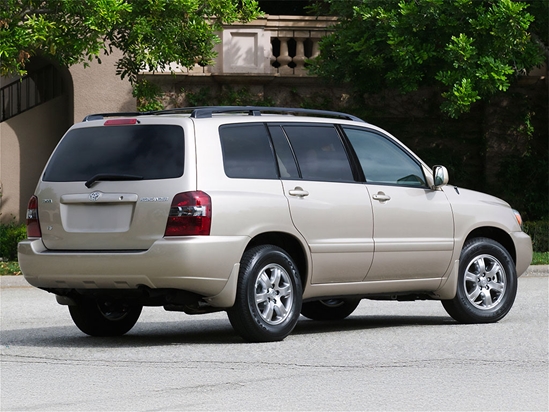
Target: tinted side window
{"type": "Point", "coordinates": [320, 152]}
{"type": "Point", "coordinates": [150, 151]}
{"type": "Point", "coordinates": [284, 154]}
{"type": "Point", "coordinates": [247, 151]}
{"type": "Point", "coordinates": [383, 161]}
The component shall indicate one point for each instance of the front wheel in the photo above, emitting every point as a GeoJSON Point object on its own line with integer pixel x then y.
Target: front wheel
{"type": "Point", "coordinates": [487, 283]}
{"type": "Point", "coordinates": [329, 309]}
{"type": "Point", "coordinates": [268, 297]}
{"type": "Point", "coordinates": [104, 317]}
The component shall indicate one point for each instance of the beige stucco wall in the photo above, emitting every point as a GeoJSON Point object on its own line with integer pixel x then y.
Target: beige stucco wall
{"type": "Point", "coordinates": [27, 140]}
{"type": "Point", "coordinates": [97, 89]}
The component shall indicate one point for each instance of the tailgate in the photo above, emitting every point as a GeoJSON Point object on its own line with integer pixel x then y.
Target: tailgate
{"type": "Point", "coordinates": [111, 187]}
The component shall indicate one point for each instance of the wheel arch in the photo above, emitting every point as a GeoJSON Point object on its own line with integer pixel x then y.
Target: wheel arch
{"type": "Point", "coordinates": [290, 244]}
{"type": "Point", "coordinates": [498, 235]}
{"type": "Point", "coordinates": [485, 292]}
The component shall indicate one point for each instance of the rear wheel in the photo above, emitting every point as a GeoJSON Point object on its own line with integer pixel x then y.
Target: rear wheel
{"type": "Point", "coordinates": [268, 297]}
{"type": "Point", "coordinates": [487, 283]}
{"type": "Point", "coordinates": [329, 309]}
{"type": "Point", "coordinates": [104, 317]}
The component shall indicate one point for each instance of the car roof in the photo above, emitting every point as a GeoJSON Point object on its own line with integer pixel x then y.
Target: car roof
{"type": "Point", "coordinates": [204, 112]}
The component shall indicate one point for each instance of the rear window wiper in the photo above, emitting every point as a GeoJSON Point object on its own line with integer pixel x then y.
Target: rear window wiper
{"type": "Point", "coordinates": [111, 177]}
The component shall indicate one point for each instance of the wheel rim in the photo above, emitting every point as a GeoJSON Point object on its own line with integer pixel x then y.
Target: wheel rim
{"type": "Point", "coordinates": [332, 303]}
{"type": "Point", "coordinates": [485, 282]}
{"type": "Point", "coordinates": [274, 294]}
{"type": "Point", "coordinates": [113, 311]}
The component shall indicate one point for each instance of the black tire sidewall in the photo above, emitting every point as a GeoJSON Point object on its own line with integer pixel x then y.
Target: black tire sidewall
{"type": "Point", "coordinates": [317, 310]}
{"type": "Point", "coordinates": [245, 316]}
{"type": "Point", "coordinates": [89, 319]}
{"type": "Point", "coordinates": [478, 247]}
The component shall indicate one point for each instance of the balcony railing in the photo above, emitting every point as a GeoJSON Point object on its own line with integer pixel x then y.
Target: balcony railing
{"type": "Point", "coordinates": [270, 45]}
{"type": "Point", "coordinates": [36, 88]}
{"type": "Point", "coordinates": [294, 40]}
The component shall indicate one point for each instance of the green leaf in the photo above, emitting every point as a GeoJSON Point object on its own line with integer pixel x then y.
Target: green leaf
{"type": "Point", "coordinates": [470, 48]}
{"type": "Point", "coordinates": [149, 33]}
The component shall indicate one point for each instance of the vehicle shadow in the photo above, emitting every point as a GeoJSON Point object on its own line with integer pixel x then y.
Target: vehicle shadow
{"type": "Point", "coordinates": [353, 323]}
{"type": "Point", "coordinates": [206, 332]}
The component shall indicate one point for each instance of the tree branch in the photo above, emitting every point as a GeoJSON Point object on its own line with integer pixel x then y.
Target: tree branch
{"type": "Point", "coordinates": [542, 45]}
{"type": "Point", "coordinates": [29, 12]}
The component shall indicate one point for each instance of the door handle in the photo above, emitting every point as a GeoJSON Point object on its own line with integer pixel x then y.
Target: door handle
{"type": "Point", "coordinates": [382, 197]}
{"type": "Point", "coordinates": [299, 192]}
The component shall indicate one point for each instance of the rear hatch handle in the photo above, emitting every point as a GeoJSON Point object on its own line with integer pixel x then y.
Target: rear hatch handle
{"type": "Point", "coordinates": [111, 177]}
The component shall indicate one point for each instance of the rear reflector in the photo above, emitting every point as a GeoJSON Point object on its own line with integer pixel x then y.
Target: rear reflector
{"type": "Point", "coordinates": [33, 223]}
{"type": "Point", "coordinates": [118, 122]}
{"type": "Point", "coordinates": [190, 215]}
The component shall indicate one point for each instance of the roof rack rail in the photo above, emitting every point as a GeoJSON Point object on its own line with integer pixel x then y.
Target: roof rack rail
{"type": "Point", "coordinates": [208, 111]}
{"type": "Point", "coordinates": [99, 116]}
{"type": "Point", "coordinates": [203, 112]}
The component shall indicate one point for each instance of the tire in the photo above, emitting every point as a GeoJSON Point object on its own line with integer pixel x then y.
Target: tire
{"type": "Point", "coordinates": [329, 309]}
{"type": "Point", "coordinates": [487, 283]}
{"type": "Point", "coordinates": [268, 296]}
{"type": "Point", "coordinates": [104, 318]}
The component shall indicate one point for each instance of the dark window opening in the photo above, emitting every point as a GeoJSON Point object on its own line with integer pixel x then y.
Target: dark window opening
{"type": "Point", "coordinates": [286, 7]}
{"type": "Point", "coordinates": [320, 153]}
{"type": "Point", "coordinates": [247, 152]}
{"type": "Point", "coordinates": [30, 91]}
{"type": "Point", "coordinates": [148, 151]}
{"type": "Point", "coordinates": [284, 155]}
{"type": "Point", "coordinates": [382, 161]}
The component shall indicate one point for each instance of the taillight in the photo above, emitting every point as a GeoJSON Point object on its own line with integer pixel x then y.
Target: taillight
{"type": "Point", "coordinates": [190, 215]}
{"type": "Point", "coordinates": [33, 223]}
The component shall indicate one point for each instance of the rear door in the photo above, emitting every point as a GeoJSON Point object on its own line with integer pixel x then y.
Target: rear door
{"type": "Point", "coordinates": [109, 184]}
{"type": "Point", "coordinates": [328, 207]}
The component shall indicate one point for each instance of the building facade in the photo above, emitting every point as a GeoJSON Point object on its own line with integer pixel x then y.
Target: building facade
{"type": "Point", "coordinates": [38, 109]}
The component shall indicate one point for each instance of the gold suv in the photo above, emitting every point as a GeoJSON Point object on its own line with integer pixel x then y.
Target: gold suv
{"type": "Point", "coordinates": [265, 213]}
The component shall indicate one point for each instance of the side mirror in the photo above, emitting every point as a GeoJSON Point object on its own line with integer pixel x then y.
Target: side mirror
{"type": "Point", "coordinates": [440, 176]}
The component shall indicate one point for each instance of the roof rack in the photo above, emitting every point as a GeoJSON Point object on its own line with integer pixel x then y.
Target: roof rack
{"type": "Point", "coordinates": [208, 111]}
{"type": "Point", "coordinates": [204, 112]}
{"type": "Point", "coordinates": [99, 116]}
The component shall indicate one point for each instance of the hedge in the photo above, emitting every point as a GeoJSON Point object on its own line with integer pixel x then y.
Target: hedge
{"type": "Point", "coordinates": [10, 235]}
{"type": "Point", "coordinates": [539, 232]}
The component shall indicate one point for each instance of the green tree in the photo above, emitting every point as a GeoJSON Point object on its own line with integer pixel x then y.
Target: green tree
{"type": "Point", "coordinates": [150, 33]}
{"type": "Point", "coordinates": [470, 48]}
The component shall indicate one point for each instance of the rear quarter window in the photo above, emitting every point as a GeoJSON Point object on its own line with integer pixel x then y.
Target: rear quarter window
{"type": "Point", "coordinates": [247, 152]}
{"type": "Point", "coordinates": [150, 151]}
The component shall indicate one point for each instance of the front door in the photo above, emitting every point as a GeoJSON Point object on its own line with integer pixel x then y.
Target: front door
{"type": "Point", "coordinates": [413, 224]}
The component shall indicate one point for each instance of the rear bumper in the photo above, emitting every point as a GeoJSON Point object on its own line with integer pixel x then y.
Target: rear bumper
{"type": "Point", "coordinates": [200, 264]}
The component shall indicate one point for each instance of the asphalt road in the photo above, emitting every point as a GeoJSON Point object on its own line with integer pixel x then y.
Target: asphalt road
{"type": "Point", "coordinates": [386, 356]}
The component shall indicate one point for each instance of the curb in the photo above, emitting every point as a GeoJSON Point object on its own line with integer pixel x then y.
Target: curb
{"type": "Point", "coordinates": [537, 270]}
{"type": "Point", "coordinates": [13, 282]}
{"type": "Point", "coordinates": [20, 282]}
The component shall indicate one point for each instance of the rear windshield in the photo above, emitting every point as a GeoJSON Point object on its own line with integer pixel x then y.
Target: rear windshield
{"type": "Point", "coordinates": [148, 151]}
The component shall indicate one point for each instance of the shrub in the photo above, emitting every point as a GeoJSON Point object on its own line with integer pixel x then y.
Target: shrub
{"type": "Point", "coordinates": [10, 235]}
{"type": "Point", "coordinates": [539, 232]}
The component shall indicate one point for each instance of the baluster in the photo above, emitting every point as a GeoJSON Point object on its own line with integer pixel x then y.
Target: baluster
{"type": "Point", "coordinates": [316, 47]}
{"type": "Point", "coordinates": [284, 57]}
{"type": "Point", "coordinates": [299, 58]}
